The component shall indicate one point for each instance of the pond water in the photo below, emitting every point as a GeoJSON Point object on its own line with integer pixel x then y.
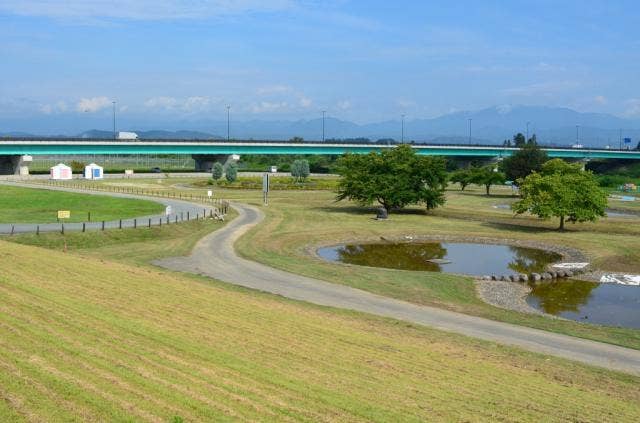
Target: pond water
{"type": "Point", "coordinates": [591, 302]}
{"type": "Point", "coordinates": [466, 258]}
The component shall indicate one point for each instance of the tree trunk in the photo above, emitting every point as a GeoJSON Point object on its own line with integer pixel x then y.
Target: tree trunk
{"type": "Point", "coordinates": [488, 186]}
{"type": "Point", "coordinates": [561, 223]}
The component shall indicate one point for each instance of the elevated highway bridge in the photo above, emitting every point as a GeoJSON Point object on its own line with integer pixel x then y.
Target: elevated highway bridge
{"type": "Point", "coordinates": [205, 152]}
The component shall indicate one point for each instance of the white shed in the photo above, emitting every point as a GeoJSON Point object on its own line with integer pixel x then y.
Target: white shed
{"type": "Point", "coordinates": [60, 171]}
{"type": "Point", "coordinates": [93, 171]}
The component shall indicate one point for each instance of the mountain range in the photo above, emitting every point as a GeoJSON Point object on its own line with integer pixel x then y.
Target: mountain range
{"type": "Point", "coordinates": [552, 126]}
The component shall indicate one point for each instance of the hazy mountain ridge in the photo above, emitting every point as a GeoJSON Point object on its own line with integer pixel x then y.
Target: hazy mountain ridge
{"type": "Point", "coordinates": [552, 125]}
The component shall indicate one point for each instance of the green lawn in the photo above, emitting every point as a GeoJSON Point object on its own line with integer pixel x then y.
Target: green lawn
{"type": "Point", "coordinates": [27, 205]}
{"type": "Point", "coordinates": [100, 340]}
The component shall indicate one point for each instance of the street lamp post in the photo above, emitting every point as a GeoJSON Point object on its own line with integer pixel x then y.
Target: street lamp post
{"type": "Point", "coordinates": [470, 130]}
{"type": "Point", "coordinates": [324, 112]}
{"type": "Point", "coordinates": [114, 120]}
{"type": "Point", "coordinates": [228, 125]}
{"type": "Point", "coordinates": [402, 134]}
{"type": "Point", "coordinates": [577, 134]}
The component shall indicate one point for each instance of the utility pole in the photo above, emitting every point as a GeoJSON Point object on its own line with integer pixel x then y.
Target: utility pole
{"type": "Point", "coordinates": [528, 131]}
{"type": "Point", "coordinates": [114, 120]}
{"type": "Point", "coordinates": [324, 112]}
{"type": "Point", "coordinates": [228, 126]}
{"type": "Point", "coordinates": [402, 136]}
{"type": "Point", "coordinates": [470, 130]}
{"type": "Point", "coordinates": [620, 140]}
{"type": "Point", "coordinates": [577, 135]}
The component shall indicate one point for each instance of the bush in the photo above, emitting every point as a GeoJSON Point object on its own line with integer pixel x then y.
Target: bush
{"type": "Point", "coordinates": [300, 170]}
{"type": "Point", "coordinates": [232, 172]}
{"type": "Point", "coordinates": [216, 171]}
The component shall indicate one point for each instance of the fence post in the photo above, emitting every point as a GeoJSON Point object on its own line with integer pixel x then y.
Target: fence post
{"type": "Point", "coordinates": [120, 224]}
{"type": "Point", "coordinates": [84, 226]}
{"type": "Point", "coordinates": [103, 225]}
{"type": "Point", "coordinates": [135, 223]}
{"type": "Point", "coordinates": [160, 221]}
{"type": "Point", "coordinates": [12, 229]}
{"type": "Point", "coordinates": [62, 229]}
{"type": "Point", "coordinates": [176, 218]}
{"type": "Point", "coordinates": [38, 230]}
{"type": "Point", "coordinates": [168, 221]}
{"type": "Point", "coordinates": [149, 222]}
{"type": "Point", "coordinates": [89, 216]}
{"type": "Point", "coordinates": [188, 216]}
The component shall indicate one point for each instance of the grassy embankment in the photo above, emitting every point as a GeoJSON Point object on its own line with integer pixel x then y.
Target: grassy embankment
{"type": "Point", "coordinates": [26, 205]}
{"type": "Point", "coordinates": [297, 220]}
{"type": "Point", "coordinates": [100, 340]}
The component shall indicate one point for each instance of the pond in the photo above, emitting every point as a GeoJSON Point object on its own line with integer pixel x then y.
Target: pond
{"type": "Point", "coordinates": [592, 302]}
{"type": "Point", "coordinates": [453, 257]}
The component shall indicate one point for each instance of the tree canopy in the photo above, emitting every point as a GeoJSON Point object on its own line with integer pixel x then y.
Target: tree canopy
{"type": "Point", "coordinates": [216, 171]}
{"type": "Point", "coordinates": [300, 170]}
{"type": "Point", "coordinates": [487, 176]}
{"type": "Point", "coordinates": [527, 159]}
{"type": "Point", "coordinates": [394, 178]}
{"type": "Point", "coordinates": [462, 177]}
{"type": "Point", "coordinates": [564, 191]}
{"type": "Point", "coordinates": [232, 172]}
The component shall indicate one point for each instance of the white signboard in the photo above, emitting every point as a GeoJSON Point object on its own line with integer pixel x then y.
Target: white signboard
{"type": "Point", "coordinates": [209, 193]}
{"type": "Point", "coordinates": [167, 211]}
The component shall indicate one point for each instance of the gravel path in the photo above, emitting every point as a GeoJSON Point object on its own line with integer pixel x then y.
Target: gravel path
{"type": "Point", "coordinates": [508, 295]}
{"type": "Point", "coordinates": [214, 256]}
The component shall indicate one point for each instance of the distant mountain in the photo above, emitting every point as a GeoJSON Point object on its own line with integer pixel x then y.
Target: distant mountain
{"type": "Point", "coordinates": [552, 126]}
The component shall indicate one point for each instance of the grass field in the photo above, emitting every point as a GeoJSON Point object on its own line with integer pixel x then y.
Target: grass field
{"type": "Point", "coordinates": [26, 205]}
{"type": "Point", "coordinates": [99, 340]}
{"type": "Point", "coordinates": [297, 221]}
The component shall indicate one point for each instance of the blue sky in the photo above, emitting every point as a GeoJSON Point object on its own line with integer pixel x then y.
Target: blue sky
{"type": "Point", "coordinates": [363, 61]}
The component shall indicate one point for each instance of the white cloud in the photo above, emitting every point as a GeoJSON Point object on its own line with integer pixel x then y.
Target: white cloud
{"type": "Point", "coordinates": [600, 99]}
{"type": "Point", "coordinates": [542, 89]}
{"type": "Point", "coordinates": [57, 107]}
{"type": "Point", "coordinates": [305, 102]}
{"type": "Point", "coordinates": [344, 105]}
{"type": "Point", "coordinates": [274, 89]}
{"type": "Point", "coordinates": [633, 107]}
{"type": "Point", "coordinates": [140, 9]}
{"type": "Point", "coordinates": [93, 104]}
{"type": "Point", "coordinates": [190, 104]}
{"type": "Point", "coordinates": [162, 102]}
{"type": "Point", "coordinates": [195, 104]}
{"type": "Point", "coordinates": [268, 107]}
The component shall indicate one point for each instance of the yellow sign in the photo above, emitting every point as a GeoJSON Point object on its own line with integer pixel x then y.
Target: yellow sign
{"type": "Point", "coordinates": [64, 214]}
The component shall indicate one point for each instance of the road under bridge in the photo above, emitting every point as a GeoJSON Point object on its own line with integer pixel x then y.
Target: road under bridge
{"type": "Point", "coordinates": [15, 153]}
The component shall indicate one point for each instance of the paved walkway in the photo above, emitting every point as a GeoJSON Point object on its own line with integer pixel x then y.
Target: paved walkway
{"type": "Point", "coordinates": [180, 210]}
{"type": "Point", "coordinates": [214, 256]}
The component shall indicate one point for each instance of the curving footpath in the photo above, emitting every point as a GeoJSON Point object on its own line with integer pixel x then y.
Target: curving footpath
{"type": "Point", "coordinates": [179, 210]}
{"type": "Point", "coordinates": [214, 256]}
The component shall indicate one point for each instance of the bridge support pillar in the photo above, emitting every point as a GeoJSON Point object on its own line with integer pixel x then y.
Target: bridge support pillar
{"type": "Point", "coordinates": [15, 165]}
{"type": "Point", "coordinates": [204, 162]}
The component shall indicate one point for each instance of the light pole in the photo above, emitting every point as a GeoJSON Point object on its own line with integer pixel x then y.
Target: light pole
{"type": "Point", "coordinates": [324, 112]}
{"type": "Point", "coordinates": [470, 130]}
{"type": "Point", "coordinates": [577, 135]}
{"type": "Point", "coordinates": [527, 131]}
{"type": "Point", "coordinates": [228, 126]}
{"type": "Point", "coordinates": [402, 135]}
{"type": "Point", "coordinates": [114, 120]}
{"type": "Point", "coordinates": [620, 140]}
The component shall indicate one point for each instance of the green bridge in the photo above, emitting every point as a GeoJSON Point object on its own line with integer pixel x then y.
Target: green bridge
{"type": "Point", "coordinates": [205, 152]}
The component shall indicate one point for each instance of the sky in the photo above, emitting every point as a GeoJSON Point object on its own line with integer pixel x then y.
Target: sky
{"type": "Point", "coordinates": [363, 61]}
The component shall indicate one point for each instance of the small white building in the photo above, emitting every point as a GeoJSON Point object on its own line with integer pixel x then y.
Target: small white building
{"type": "Point", "coordinates": [93, 171]}
{"type": "Point", "coordinates": [61, 171]}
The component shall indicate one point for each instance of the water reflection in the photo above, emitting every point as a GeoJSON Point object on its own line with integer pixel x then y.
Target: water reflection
{"type": "Point", "coordinates": [467, 258]}
{"type": "Point", "coordinates": [606, 304]}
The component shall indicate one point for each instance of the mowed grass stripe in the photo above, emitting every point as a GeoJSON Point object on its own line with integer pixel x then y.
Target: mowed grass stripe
{"type": "Point", "coordinates": [148, 338]}
{"type": "Point", "coordinates": [31, 205]}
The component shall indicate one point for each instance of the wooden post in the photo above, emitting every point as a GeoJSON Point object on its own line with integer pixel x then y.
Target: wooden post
{"type": "Point", "coordinates": [103, 225]}
{"type": "Point", "coordinates": [62, 229]}
{"type": "Point", "coordinates": [120, 224]}
{"type": "Point", "coordinates": [38, 230]}
{"type": "Point", "coordinates": [84, 227]}
{"type": "Point", "coordinates": [89, 216]}
{"type": "Point", "coordinates": [135, 223]}
{"type": "Point", "coordinates": [12, 229]}
{"type": "Point", "coordinates": [149, 222]}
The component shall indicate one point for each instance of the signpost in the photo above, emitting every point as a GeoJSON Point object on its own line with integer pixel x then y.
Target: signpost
{"type": "Point", "coordinates": [265, 188]}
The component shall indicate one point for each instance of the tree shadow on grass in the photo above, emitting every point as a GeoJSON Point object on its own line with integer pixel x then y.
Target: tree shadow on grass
{"type": "Point", "coordinates": [524, 227]}
{"type": "Point", "coordinates": [369, 210]}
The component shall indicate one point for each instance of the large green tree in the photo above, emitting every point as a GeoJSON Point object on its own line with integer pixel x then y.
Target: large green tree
{"type": "Point", "coordinates": [394, 178]}
{"type": "Point", "coordinates": [232, 172]}
{"type": "Point", "coordinates": [300, 170]}
{"type": "Point", "coordinates": [217, 171]}
{"type": "Point", "coordinates": [564, 191]}
{"type": "Point", "coordinates": [487, 176]}
{"type": "Point", "coordinates": [462, 177]}
{"type": "Point", "coordinates": [529, 158]}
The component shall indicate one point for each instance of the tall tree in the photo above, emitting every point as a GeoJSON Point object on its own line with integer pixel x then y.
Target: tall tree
{"type": "Point", "coordinates": [564, 191]}
{"type": "Point", "coordinates": [462, 177]}
{"type": "Point", "coordinates": [487, 176]}
{"type": "Point", "coordinates": [232, 172]}
{"type": "Point", "coordinates": [394, 178]}
{"type": "Point", "coordinates": [216, 171]}
{"type": "Point", "coordinates": [519, 140]}
{"type": "Point", "coordinates": [300, 170]}
{"type": "Point", "coordinates": [527, 159]}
